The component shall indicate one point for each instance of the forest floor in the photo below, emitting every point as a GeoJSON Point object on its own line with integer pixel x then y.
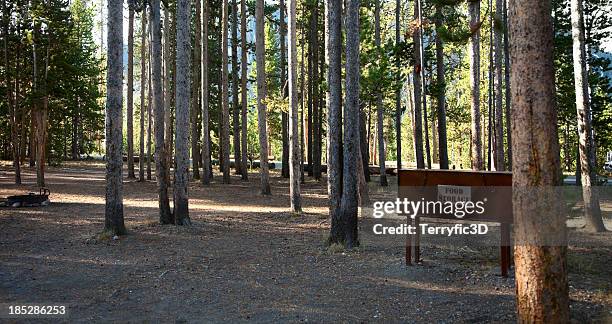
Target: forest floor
{"type": "Point", "coordinates": [247, 258]}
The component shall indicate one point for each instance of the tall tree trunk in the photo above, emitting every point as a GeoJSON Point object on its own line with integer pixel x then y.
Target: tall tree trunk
{"type": "Point", "coordinates": [143, 83]}
{"type": "Point", "coordinates": [350, 187]}
{"type": "Point", "coordinates": [507, 84]}
{"type": "Point", "coordinates": [168, 95]}
{"type": "Point", "coordinates": [398, 95]}
{"type": "Point", "coordinates": [541, 269]}
{"type": "Point", "coordinates": [441, 88]}
{"type": "Point", "coordinates": [592, 211]}
{"type": "Point", "coordinates": [474, 54]}
{"type": "Point", "coordinates": [316, 144]}
{"type": "Point", "coordinates": [235, 102]}
{"type": "Point", "coordinates": [225, 142]}
{"type": "Point", "coordinates": [294, 145]}
{"type": "Point", "coordinates": [311, 82]}
{"type": "Point", "coordinates": [499, 128]}
{"type": "Point", "coordinates": [380, 114]}
{"type": "Point", "coordinates": [183, 60]}
{"type": "Point", "coordinates": [195, 94]}
{"type": "Point", "coordinates": [130, 94]}
{"type": "Point", "coordinates": [302, 102]}
{"type": "Point", "coordinates": [149, 106]}
{"type": "Point", "coordinates": [418, 118]}
{"type": "Point", "coordinates": [283, 84]}
{"type": "Point", "coordinates": [333, 59]}
{"type": "Point", "coordinates": [244, 91]}
{"type": "Point", "coordinates": [12, 104]}
{"type": "Point", "coordinates": [423, 65]}
{"type": "Point", "coordinates": [363, 143]}
{"type": "Point", "coordinates": [161, 167]}
{"type": "Point", "coordinates": [206, 165]}
{"type": "Point", "coordinates": [261, 96]}
{"type": "Point", "coordinates": [113, 213]}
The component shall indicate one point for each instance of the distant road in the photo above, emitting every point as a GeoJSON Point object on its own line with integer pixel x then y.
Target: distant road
{"type": "Point", "coordinates": [571, 180]}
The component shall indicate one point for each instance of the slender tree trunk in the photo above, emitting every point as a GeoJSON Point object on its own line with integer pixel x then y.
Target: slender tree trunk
{"type": "Point", "coordinates": [244, 92]}
{"type": "Point", "coordinates": [157, 104]}
{"type": "Point", "coordinates": [113, 214]}
{"type": "Point", "coordinates": [149, 108]}
{"type": "Point", "coordinates": [12, 105]}
{"type": "Point", "coordinates": [284, 116]}
{"type": "Point", "coordinates": [350, 185]}
{"type": "Point", "coordinates": [418, 118]}
{"type": "Point", "coordinates": [168, 95]}
{"type": "Point", "coordinates": [539, 223]}
{"type": "Point", "coordinates": [423, 65]}
{"type": "Point", "coordinates": [183, 60]}
{"type": "Point", "coordinates": [379, 103]}
{"type": "Point", "coordinates": [311, 82]}
{"type": "Point", "coordinates": [474, 54]}
{"type": "Point", "coordinates": [499, 128]}
{"type": "Point", "coordinates": [225, 142]}
{"type": "Point", "coordinates": [592, 211]}
{"type": "Point", "coordinates": [235, 102]}
{"type": "Point", "coordinates": [398, 95]}
{"type": "Point", "coordinates": [130, 94]}
{"type": "Point", "coordinates": [316, 144]}
{"type": "Point", "coordinates": [333, 58]}
{"type": "Point", "coordinates": [294, 145]}
{"type": "Point", "coordinates": [195, 94]}
{"type": "Point", "coordinates": [206, 165]}
{"type": "Point", "coordinates": [143, 83]}
{"type": "Point", "coordinates": [363, 143]}
{"type": "Point", "coordinates": [261, 96]}
{"type": "Point", "coordinates": [507, 84]}
{"type": "Point", "coordinates": [303, 97]}
{"type": "Point", "coordinates": [441, 88]}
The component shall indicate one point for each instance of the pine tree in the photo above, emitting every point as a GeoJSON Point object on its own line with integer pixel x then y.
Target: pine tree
{"type": "Point", "coordinates": [261, 96]}
{"type": "Point", "coordinates": [113, 215]}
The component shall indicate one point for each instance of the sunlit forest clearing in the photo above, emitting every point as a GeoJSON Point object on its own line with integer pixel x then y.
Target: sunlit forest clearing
{"type": "Point", "coordinates": [233, 160]}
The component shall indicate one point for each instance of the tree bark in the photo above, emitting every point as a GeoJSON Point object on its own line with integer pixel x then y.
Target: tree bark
{"type": "Point", "coordinates": [183, 52]}
{"type": "Point", "coordinates": [398, 95]}
{"type": "Point", "coordinates": [157, 103]}
{"type": "Point", "coordinates": [380, 114]}
{"type": "Point", "coordinates": [350, 186]}
{"type": "Point", "coordinates": [206, 163]}
{"type": "Point", "coordinates": [235, 103]}
{"type": "Point", "coordinates": [423, 64]}
{"type": "Point", "coordinates": [592, 211]}
{"type": "Point", "coordinates": [244, 92]}
{"type": "Point", "coordinates": [316, 143]}
{"type": "Point", "coordinates": [143, 83]}
{"type": "Point", "coordinates": [195, 94]}
{"type": "Point", "coordinates": [294, 145]}
{"type": "Point", "coordinates": [130, 93]}
{"type": "Point", "coordinates": [113, 214]}
{"type": "Point", "coordinates": [149, 104]}
{"type": "Point", "coordinates": [499, 156]}
{"type": "Point", "coordinates": [284, 116]}
{"type": "Point", "coordinates": [441, 88]}
{"type": "Point", "coordinates": [225, 141]}
{"type": "Point", "coordinates": [12, 104]}
{"type": "Point", "coordinates": [418, 118]}
{"type": "Point", "coordinates": [168, 95]}
{"type": "Point", "coordinates": [333, 58]}
{"type": "Point", "coordinates": [507, 84]}
{"type": "Point", "coordinates": [261, 96]}
{"type": "Point", "coordinates": [539, 223]}
{"type": "Point", "coordinates": [474, 54]}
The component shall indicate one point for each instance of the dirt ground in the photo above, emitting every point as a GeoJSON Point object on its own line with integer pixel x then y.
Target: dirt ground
{"type": "Point", "coordinates": [247, 258]}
